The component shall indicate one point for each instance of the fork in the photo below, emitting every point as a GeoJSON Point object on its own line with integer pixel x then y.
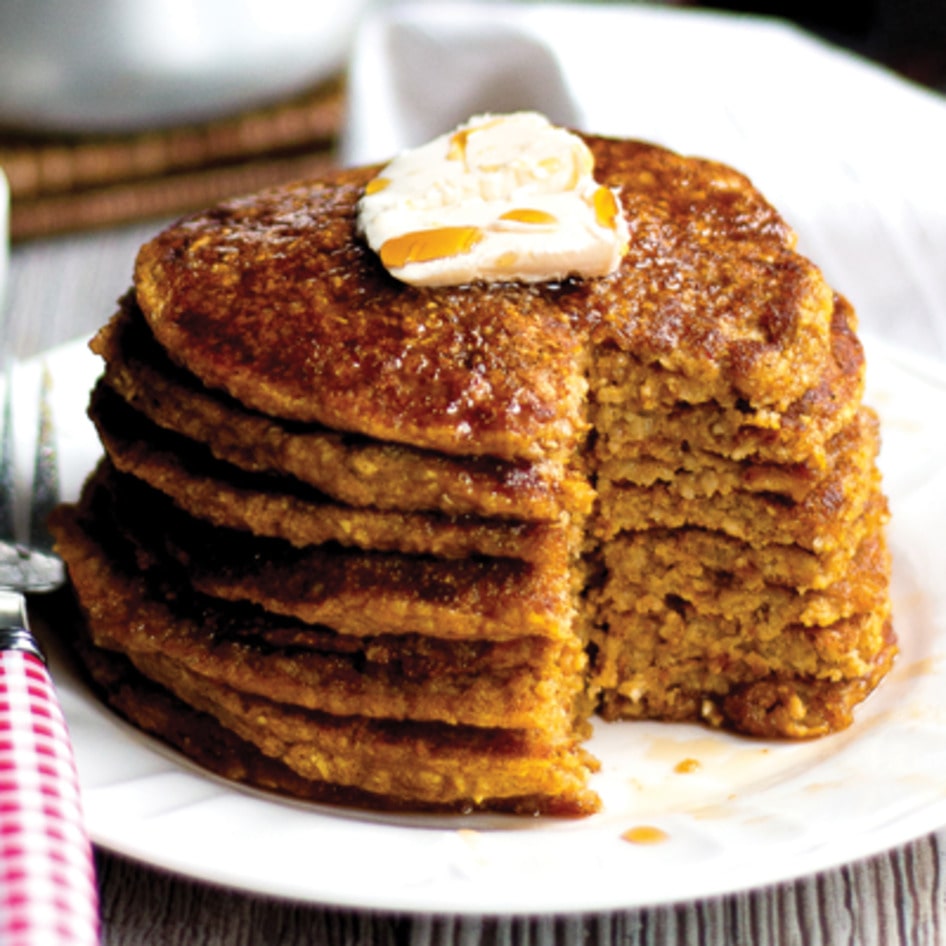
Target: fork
{"type": "Point", "coordinates": [48, 891]}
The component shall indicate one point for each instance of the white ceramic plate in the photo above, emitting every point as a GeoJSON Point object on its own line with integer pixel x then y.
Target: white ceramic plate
{"type": "Point", "coordinates": [752, 813]}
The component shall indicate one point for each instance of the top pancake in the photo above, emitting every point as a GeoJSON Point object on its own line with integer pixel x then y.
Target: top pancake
{"type": "Point", "coordinates": [276, 300]}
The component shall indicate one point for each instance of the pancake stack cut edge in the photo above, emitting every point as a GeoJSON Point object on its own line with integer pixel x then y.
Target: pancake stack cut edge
{"type": "Point", "coordinates": [370, 544]}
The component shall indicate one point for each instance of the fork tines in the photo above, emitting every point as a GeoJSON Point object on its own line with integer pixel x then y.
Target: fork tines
{"type": "Point", "coordinates": [45, 494]}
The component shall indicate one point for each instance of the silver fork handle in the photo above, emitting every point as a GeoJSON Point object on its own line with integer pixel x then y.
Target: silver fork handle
{"type": "Point", "coordinates": [48, 890]}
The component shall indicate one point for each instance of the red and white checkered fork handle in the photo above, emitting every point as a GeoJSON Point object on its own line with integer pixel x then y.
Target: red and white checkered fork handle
{"type": "Point", "coordinates": [48, 891]}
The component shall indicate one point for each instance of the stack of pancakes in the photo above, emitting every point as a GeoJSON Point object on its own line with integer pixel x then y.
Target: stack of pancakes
{"type": "Point", "coordinates": [370, 543]}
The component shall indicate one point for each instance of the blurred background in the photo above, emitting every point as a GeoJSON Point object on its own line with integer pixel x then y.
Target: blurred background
{"type": "Point", "coordinates": [908, 36]}
{"type": "Point", "coordinates": [114, 111]}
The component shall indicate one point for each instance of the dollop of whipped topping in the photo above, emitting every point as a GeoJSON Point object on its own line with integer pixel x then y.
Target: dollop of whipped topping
{"type": "Point", "coordinates": [502, 198]}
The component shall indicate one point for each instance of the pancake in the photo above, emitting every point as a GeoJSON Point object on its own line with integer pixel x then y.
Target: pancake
{"type": "Point", "coordinates": [281, 507]}
{"type": "Point", "coordinates": [477, 372]}
{"type": "Point", "coordinates": [452, 766]}
{"type": "Point", "coordinates": [788, 566]}
{"type": "Point", "coordinates": [485, 369]}
{"type": "Point", "coordinates": [637, 404]}
{"type": "Point", "coordinates": [353, 470]}
{"type": "Point", "coordinates": [818, 521]}
{"type": "Point", "coordinates": [477, 683]}
{"type": "Point", "coordinates": [200, 735]}
{"type": "Point", "coordinates": [769, 705]}
{"type": "Point", "coordinates": [649, 575]}
{"type": "Point", "coordinates": [356, 592]}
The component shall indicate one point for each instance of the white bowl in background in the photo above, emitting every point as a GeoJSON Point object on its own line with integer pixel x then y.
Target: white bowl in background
{"type": "Point", "coordinates": [122, 65]}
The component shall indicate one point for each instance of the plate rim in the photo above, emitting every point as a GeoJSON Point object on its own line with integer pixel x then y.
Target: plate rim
{"type": "Point", "coordinates": [425, 899]}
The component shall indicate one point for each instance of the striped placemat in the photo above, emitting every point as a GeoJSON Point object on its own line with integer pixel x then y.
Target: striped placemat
{"type": "Point", "coordinates": [65, 184]}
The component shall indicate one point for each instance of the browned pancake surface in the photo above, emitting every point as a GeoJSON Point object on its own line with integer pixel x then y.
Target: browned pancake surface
{"type": "Point", "coordinates": [281, 507]}
{"type": "Point", "coordinates": [277, 301]}
{"type": "Point", "coordinates": [353, 591]}
{"type": "Point", "coordinates": [465, 370]}
{"type": "Point", "coordinates": [522, 683]}
{"type": "Point", "coordinates": [356, 470]}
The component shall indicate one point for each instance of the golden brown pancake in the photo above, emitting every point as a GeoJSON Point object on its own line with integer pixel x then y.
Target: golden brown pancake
{"type": "Point", "coordinates": [275, 300]}
{"type": "Point", "coordinates": [773, 704]}
{"type": "Point", "coordinates": [281, 507]}
{"type": "Point", "coordinates": [636, 405]}
{"type": "Point", "coordinates": [353, 591]}
{"type": "Point", "coordinates": [476, 683]}
{"type": "Point", "coordinates": [655, 574]}
{"type": "Point", "coordinates": [819, 521]}
{"type": "Point", "coordinates": [555, 782]}
{"type": "Point", "coordinates": [354, 470]}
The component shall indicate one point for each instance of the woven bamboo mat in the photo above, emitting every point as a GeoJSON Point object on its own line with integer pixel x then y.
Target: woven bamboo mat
{"type": "Point", "coordinates": [75, 183]}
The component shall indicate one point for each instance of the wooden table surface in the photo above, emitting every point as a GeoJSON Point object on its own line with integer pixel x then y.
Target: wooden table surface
{"type": "Point", "coordinates": [62, 288]}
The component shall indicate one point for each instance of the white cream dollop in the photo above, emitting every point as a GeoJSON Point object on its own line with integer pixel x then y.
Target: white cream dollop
{"type": "Point", "coordinates": [501, 198]}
